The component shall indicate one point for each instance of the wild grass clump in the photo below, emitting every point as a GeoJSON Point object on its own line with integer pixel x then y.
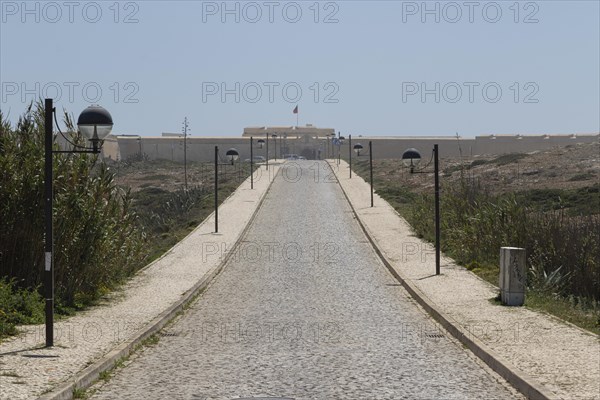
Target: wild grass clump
{"type": "Point", "coordinates": [97, 242]}
{"type": "Point", "coordinates": [167, 216]}
{"type": "Point", "coordinates": [159, 209]}
{"type": "Point", "coordinates": [18, 306]}
{"type": "Point", "coordinates": [132, 159]}
{"type": "Point", "coordinates": [563, 251]}
{"type": "Point", "coordinates": [582, 177]}
{"type": "Point", "coordinates": [506, 159]}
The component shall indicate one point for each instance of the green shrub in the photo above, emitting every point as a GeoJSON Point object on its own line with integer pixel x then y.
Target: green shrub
{"type": "Point", "coordinates": [506, 159]}
{"type": "Point", "coordinates": [563, 251]}
{"type": "Point", "coordinates": [478, 162]}
{"type": "Point", "coordinates": [159, 209]}
{"type": "Point", "coordinates": [582, 177]}
{"type": "Point", "coordinates": [575, 202]}
{"type": "Point", "coordinates": [18, 306]}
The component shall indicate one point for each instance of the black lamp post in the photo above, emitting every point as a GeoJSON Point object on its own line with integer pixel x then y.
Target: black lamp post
{"type": "Point", "coordinates": [232, 156]}
{"type": "Point", "coordinates": [261, 144]}
{"type": "Point", "coordinates": [216, 189]}
{"type": "Point", "coordinates": [274, 136]}
{"type": "Point", "coordinates": [411, 159]}
{"type": "Point", "coordinates": [357, 149]}
{"type": "Point", "coordinates": [350, 153]}
{"type": "Point", "coordinates": [94, 123]}
{"type": "Point", "coordinates": [251, 162]}
{"type": "Point", "coordinates": [371, 169]}
{"type": "Point", "coordinates": [184, 130]}
{"type": "Point", "coordinates": [340, 142]}
{"type": "Point", "coordinates": [333, 135]}
{"type": "Point", "coordinates": [139, 140]}
{"type": "Point", "coordinates": [267, 150]}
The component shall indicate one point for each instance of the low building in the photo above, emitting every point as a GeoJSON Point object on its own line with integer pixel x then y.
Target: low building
{"type": "Point", "coordinates": [289, 131]}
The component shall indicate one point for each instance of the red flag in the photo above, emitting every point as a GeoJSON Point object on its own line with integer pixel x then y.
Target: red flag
{"type": "Point", "coordinates": [296, 110]}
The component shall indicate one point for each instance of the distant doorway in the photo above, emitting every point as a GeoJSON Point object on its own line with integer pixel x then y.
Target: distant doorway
{"type": "Point", "coordinates": [309, 154]}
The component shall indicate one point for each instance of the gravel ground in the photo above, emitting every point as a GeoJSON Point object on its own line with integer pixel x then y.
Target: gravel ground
{"type": "Point", "coordinates": [562, 357]}
{"type": "Point", "coordinates": [27, 369]}
{"type": "Point", "coordinates": [305, 310]}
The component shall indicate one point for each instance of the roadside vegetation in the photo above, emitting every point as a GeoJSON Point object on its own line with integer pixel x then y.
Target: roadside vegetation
{"type": "Point", "coordinates": [165, 210]}
{"type": "Point", "coordinates": [558, 226]}
{"type": "Point", "coordinates": [105, 226]}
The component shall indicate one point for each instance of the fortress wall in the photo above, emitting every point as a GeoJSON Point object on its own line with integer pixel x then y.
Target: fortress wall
{"type": "Point", "coordinates": [171, 148]}
{"type": "Point", "coordinates": [202, 148]}
{"type": "Point", "coordinates": [110, 148]}
{"type": "Point", "coordinates": [394, 147]}
{"type": "Point", "coordinates": [523, 144]}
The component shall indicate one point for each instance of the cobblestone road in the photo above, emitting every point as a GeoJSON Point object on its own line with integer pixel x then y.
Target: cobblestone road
{"type": "Point", "coordinates": [304, 310]}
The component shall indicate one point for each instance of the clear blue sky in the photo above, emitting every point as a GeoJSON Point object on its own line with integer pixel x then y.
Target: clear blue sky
{"type": "Point", "coordinates": [375, 61]}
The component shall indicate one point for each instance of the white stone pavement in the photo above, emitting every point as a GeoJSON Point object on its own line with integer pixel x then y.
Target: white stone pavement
{"type": "Point", "coordinates": [27, 369]}
{"type": "Point", "coordinates": [560, 356]}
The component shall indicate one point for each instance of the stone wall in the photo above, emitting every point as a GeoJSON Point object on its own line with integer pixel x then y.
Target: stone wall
{"type": "Point", "coordinates": [202, 148]}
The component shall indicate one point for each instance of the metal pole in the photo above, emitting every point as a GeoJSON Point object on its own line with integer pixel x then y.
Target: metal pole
{"type": "Point", "coordinates": [339, 147]}
{"type": "Point", "coordinates": [216, 189]}
{"type": "Point", "coordinates": [371, 169]}
{"type": "Point", "coordinates": [185, 153]}
{"type": "Point", "coordinates": [332, 148]}
{"type": "Point", "coordinates": [251, 163]}
{"type": "Point", "coordinates": [350, 153]}
{"type": "Point", "coordinates": [437, 209]}
{"type": "Point", "coordinates": [267, 151]}
{"type": "Point", "coordinates": [49, 240]}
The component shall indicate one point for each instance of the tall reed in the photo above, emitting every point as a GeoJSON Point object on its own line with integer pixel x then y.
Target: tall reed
{"type": "Point", "coordinates": [97, 242]}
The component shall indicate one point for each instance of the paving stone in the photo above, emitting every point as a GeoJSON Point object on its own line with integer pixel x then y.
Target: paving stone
{"type": "Point", "coordinates": [305, 310]}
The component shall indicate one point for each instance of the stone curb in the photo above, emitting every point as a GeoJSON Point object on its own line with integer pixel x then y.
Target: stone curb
{"type": "Point", "coordinates": [85, 378]}
{"type": "Point", "coordinates": [520, 380]}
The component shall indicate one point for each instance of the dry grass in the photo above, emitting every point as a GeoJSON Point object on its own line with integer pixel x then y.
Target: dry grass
{"type": "Point", "coordinates": [486, 205]}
